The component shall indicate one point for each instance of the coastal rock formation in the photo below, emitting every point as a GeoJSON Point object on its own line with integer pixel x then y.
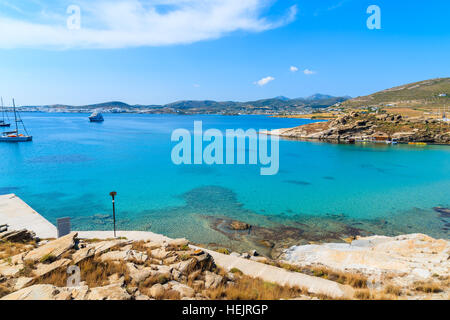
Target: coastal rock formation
{"type": "Point", "coordinates": [239, 225]}
{"type": "Point", "coordinates": [406, 259]}
{"type": "Point", "coordinates": [174, 269]}
{"type": "Point", "coordinates": [54, 248]}
{"type": "Point", "coordinates": [379, 127]}
{"type": "Point", "coordinates": [17, 235]}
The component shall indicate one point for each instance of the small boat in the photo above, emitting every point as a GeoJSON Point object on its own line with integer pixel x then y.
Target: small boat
{"type": "Point", "coordinates": [3, 122]}
{"type": "Point", "coordinates": [16, 136]}
{"type": "Point", "coordinates": [96, 117]}
{"type": "Point", "coordinates": [418, 143]}
{"type": "Point", "coordinates": [392, 141]}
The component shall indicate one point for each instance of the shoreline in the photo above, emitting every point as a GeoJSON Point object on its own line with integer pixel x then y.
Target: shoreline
{"type": "Point", "coordinates": [371, 128]}
{"type": "Point", "coordinates": [379, 261]}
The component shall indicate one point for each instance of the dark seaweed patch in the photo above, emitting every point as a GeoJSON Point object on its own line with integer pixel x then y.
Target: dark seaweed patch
{"type": "Point", "coordinates": [298, 182]}
{"type": "Point", "coordinates": [8, 190]}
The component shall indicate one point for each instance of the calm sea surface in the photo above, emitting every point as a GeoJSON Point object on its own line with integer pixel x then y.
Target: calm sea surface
{"type": "Point", "coordinates": [72, 165]}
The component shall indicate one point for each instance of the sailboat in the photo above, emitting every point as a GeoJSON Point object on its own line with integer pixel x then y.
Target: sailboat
{"type": "Point", "coordinates": [3, 122]}
{"type": "Point", "coordinates": [16, 136]}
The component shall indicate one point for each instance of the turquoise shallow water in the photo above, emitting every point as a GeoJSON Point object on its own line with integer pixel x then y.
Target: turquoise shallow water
{"type": "Point", "coordinates": [72, 165]}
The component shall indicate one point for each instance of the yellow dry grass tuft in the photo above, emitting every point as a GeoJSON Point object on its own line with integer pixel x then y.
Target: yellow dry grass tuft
{"type": "Point", "coordinates": [246, 288]}
{"type": "Point", "coordinates": [355, 280]}
{"type": "Point", "coordinates": [9, 249]}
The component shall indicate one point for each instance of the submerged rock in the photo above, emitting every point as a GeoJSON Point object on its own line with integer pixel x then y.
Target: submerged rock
{"type": "Point", "coordinates": [239, 225]}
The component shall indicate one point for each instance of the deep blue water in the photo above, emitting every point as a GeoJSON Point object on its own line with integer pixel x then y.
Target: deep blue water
{"type": "Point", "coordinates": [72, 165]}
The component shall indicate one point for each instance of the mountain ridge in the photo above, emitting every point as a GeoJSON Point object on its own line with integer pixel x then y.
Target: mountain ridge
{"type": "Point", "coordinates": [278, 104]}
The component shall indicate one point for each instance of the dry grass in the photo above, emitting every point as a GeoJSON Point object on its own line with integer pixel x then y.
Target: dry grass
{"type": "Point", "coordinates": [368, 294]}
{"type": "Point", "coordinates": [428, 287]}
{"type": "Point", "coordinates": [139, 246]}
{"type": "Point", "coordinates": [93, 272]}
{"type": "Point", "coordinates": [27, 270]}
{"type": "Point", "coordinates": [4, 291]}
{"type": "Point", "coordinates": [393, 290]}
{"type": "Point", "coordinates": [145, 286]}
{"type": "Point", "coordinates": [9, 249]}
{"type": "Point", "coordinates": [355, 280]}
{"type": "Point", "coordinates": [95, 240]}
{"type": "Point", "coordinates": [246, 288]}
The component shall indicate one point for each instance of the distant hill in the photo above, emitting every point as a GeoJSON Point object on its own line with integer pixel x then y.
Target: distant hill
{"type": "Point", "coordinates": [275, 105]}
{"type": "Point", "coordinates": [319, 96]}
{"type": "Point", "coordinates": [428, 94]}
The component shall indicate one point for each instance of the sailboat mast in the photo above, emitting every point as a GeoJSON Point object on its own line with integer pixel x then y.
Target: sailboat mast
{"type": "Point", "coordinates": [15, 116]}
{"type": "Point", "coordinates": [3, 111]}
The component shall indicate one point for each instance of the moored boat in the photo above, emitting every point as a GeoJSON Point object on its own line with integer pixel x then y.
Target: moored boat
{"type": "Point", "coordinates": [96, 117]}
{"type": "Point", "coordinates": [16, 136]}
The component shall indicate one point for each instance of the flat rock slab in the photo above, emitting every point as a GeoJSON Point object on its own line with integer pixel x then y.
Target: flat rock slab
{"type": "Point", "coordinates": [416, 255]}
{"type": "Point", "coordinates": [110, 292]}
{"type": "Point", "coordinates": [10, 270]}
{"type": "Point", "coordinates": [282, 277]}
{"type": "Point", "coordinates": [48, 292]}
{"type": "Point", "coordinates": [96, 248]}
{"type": "Point", "coordinates": [54, 248]}
{"type": "Point", "coordinates": [43, 269]}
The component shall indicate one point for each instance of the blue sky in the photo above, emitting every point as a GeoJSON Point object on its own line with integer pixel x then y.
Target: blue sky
{"type": "Point", "coordinates": [160, 51]}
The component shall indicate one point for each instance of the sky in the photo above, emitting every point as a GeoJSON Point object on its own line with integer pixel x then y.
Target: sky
{"type": "Point", "coordinates": [81, 52]}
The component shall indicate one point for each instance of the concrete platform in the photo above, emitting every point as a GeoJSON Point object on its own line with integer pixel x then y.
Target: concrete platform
{"type": "Point", "coordinates": [18, 215]}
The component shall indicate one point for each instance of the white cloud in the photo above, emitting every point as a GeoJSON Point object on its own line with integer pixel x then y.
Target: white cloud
{"type": "Point", "coordinates": [309, 72]}
{"type": "Point", "coordinates": [264, 81]}
{"type": "Point", "coordinates": [133, 23]}
{"type": "Point", "coordinates": [196, 85]}
{"type": "Point", "coordinates": [293, 69]}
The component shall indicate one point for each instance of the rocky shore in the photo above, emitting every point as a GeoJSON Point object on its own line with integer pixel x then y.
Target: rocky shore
{"type": "Point", "coordinates": [404, 267]}
{"type": "Point", "coordinates": [356, 126]}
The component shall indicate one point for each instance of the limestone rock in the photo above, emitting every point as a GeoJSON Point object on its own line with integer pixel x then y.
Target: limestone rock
{"type": "Point", "coordinates": [141, 274]}
{"type": "Point", "coordinates": [160, 254]}
{"type": "Point", "coordinates": [43, 269]}
{"type": "Point", "coordinates": [153, 245]}
{"type": "Point", "coordinates": [124, 256]}
{"type": "Point", "coordinates": [157, 291]}
{"type": "Point", "coordinates": [46, 292]}
{"type": "Point", "coordinates": [54, 248]}
{"type": "Point", "coordinates": [239, 225]}
{"type": "Point", "coordinates": [412, 257]}
{"type": "Point", "coordinates": [182, 289]}
{"type": "Point", "coordinates": [142, 297]}
{"type": "Point", "coordinates": [178, 242]}
{"type": "Point", "coordinates": [22, 282]}
{"type": "Point", "coordinates": [17, 235]}
{"type": "Point", "coordinates": [212, 280]}
{"type": "Point", "coordinates": [185, 267]}
{"type": "Point", "coordinates": [96, 248]}
{"type": "Point", "coordinates": [259, 259]}
{"type": "Point", "coordinates": [110, 292]}
{"type": "Point", "coordinates": [10, 270]}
